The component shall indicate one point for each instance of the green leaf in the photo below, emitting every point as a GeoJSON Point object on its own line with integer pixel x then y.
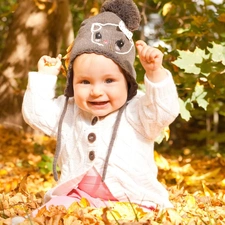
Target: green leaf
{"type": "Point", "coordinates": [218, 53]}
{"type": "Point", "coordinates": [202, 103]}
{"type": "Point", "coordinates": [187, 60]}
{"type": "Point", "coordinates": [45, 165]}
{"type": "Point", "coordinates": [184, 113]}
{"type": "Point", "coordinates": [198, 96]}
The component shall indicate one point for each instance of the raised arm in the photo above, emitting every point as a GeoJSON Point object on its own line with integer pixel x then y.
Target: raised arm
{"type": "Point", "coordinates": [40, 109]}
{"type": "Point", "coordinates": [158, 107]}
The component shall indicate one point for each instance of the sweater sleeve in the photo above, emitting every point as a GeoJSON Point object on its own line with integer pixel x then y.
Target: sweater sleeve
{"type": "Point", "coordinates": [151, 112]}
{"type": "Point", "coordinates": [40, 109]}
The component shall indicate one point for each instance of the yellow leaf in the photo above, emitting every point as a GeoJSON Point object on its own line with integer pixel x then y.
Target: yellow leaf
{"type": "Point", "coordinates": [53, 7]}
{"type": "Point", "coordinates": [22, 188]}
{"type": "Point", "coordinates": [3, 172]}
{"type": "Point", "coordinates": [84, 203]}
{"type": "Point", "coordinates": [223, 183]}
{"type": "Point", "coordinates": [207, 191]}
{"type": "Point", "coordinates": [190, 200]}
{"type": "Point", "coordinates": [166, 8]}
{"type": "Point", "coordinates": [186, 169]}
{"type": "Point", "coordinates": [94, 11]}
{"type": "Point", "coordinates": [73, 207]}
{"type": "Point", "coordinates": [113, 215]}
{"type": "Point", "coordinates": [67, 56]}
{"type": "Point", "coordinates": [166, 132]}
{"type": "Point", "coordinates": [76, 205]}
{"type": "Point", "coordinates": [125, 211]}
{"type": "Point", "coordinates": [18, 198]}
{"type": "Point", "coordinates": [174, 216]}
{"type": "Point", "coordinates": [161, 162]}
{"type": "Point", "coordinates": [192, 179]}
{"type": "Point", "coordinates": [210, 174]}
{"type": "Point", "coordinates": [40, 6]}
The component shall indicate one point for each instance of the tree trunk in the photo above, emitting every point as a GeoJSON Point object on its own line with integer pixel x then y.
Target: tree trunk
{"type": "Point", "coordinates": [38, 28]}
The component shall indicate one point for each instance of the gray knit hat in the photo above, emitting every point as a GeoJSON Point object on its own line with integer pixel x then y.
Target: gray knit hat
{"type": "Point", "coordinates": [110, 34]}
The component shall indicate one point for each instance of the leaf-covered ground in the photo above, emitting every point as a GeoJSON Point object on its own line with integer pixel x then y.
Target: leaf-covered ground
{"type": "Point", "coordinates": [196, 185]}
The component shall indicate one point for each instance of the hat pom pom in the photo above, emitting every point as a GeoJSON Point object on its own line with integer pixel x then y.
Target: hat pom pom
{"type": "Point", "coordinates": [126, 10]}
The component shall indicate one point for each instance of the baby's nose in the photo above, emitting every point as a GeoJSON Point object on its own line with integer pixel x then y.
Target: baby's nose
{"type": "Point", "coordinates": [96, 90]}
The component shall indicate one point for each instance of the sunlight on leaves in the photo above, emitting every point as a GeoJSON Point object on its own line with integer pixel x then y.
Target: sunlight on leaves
{"type": "Point", "coordinates": [218, 53]}
{"type": "Point", "coordinates": [67, 57]}
{"type": "Point", "coordinates": [195, 184]}
{"type": "Point", "coordinates": [161, 162]}
{"type": "Point", "coordinates": [125, 210]}
{"type": "Point", "coordinates": [165, 134]}
{"type": "Point", "coordinates": [198, 95]}
{"type": "Point", "coordinates": [185, 114]}
{"type": "Point", "coordinates": [46, 4]}
{"type": "Point", "coordinates": [207, 191]}
{"type": "Point", "coordinates": [190, 200]}
{"type": "Point", "coordinates": [166, 8]}
{"type": "Point", "coordinates": [187, 60]}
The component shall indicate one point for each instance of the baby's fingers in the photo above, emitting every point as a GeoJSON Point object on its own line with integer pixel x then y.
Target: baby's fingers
{"type": "Point", "coordinates": [153, 55]}
{"type": "Point", "coordinates": [49, 61]}
{"type": "Point", "coordinates": [141, 47]}
{"type": "Point", "coordinates": [49, 65]}
{"type": "Point", "coordinates": [59, 57]}
{"type": "Point", "coordinates": [58, 60]}
{"type": "Point", "coordinates": [146, 53]}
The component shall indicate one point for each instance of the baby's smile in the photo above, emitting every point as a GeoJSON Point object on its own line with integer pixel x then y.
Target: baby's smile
{"type": "Point", "coordinates": [99, 103]}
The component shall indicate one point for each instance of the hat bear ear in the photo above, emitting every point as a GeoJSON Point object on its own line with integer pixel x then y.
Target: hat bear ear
{"type": "Point", "coordinates": [126, 10]}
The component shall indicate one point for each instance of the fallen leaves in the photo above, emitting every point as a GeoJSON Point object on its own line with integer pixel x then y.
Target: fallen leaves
{"type": "Point", "coordinates": [196, 184]}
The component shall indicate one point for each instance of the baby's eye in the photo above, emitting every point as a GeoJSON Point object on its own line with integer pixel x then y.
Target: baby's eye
{"type": "Point", "coordinates": [108, 81]}
{"type": "Point", "coordinates": [85, 82]}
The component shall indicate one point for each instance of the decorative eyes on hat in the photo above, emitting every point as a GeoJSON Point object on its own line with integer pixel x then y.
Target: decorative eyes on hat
{"type": "Point", "coordinates": [118, 44]}
{"type": "Point", "coordinates": [114, 37]}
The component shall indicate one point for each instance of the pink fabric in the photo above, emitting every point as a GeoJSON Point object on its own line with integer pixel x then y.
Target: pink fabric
{"type": "Point", "coordinates": [91, 187]}
{"type": "Point", "coordinates": [92, 184]}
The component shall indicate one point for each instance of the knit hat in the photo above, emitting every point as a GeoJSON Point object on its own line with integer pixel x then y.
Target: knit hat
{"type": "Point", "coordinates": [110, 34]}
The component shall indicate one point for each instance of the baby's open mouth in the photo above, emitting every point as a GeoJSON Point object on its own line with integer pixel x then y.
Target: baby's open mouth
{"type": "Point", "coordinates": [99, 103]}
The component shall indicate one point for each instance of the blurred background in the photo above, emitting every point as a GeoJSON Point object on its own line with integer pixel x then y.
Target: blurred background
{"type": "Point", "coordinates": [190, 33]}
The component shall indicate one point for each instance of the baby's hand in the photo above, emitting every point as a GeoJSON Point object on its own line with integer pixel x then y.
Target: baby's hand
{"type": "Point", "coordinates": [49, 65]}
{"type": "Point", "coordinates": [151, 59]}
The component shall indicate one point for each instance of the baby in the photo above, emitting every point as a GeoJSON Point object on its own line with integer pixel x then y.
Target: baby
{"type": "Point", "coordinates": [105, 127]}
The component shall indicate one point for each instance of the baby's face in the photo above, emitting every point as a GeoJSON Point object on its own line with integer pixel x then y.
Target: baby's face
{"type": "Point", "coordinates": [100, 87]}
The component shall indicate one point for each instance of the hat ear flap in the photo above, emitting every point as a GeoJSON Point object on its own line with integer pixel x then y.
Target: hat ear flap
{"type": "Point", "coordinates": [69, 92]}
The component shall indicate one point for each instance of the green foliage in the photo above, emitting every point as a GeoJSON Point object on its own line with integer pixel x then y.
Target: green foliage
{"type": "Point", "coordinates": [45, 165]}
{"type": "Point", "coordinates": [209, 69]}
{"type": "Point", "coordinates": [7, 7]}
{"type": "Point", "coordinates": [194, 30]}
{"type": "Point", "coordinates": [192, 23]}
{"type": "Point", "coordinates": [46, 162]}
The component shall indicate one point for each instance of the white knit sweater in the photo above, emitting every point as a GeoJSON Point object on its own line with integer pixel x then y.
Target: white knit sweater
{"type": "Point", "coordinates": [132, 172]}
